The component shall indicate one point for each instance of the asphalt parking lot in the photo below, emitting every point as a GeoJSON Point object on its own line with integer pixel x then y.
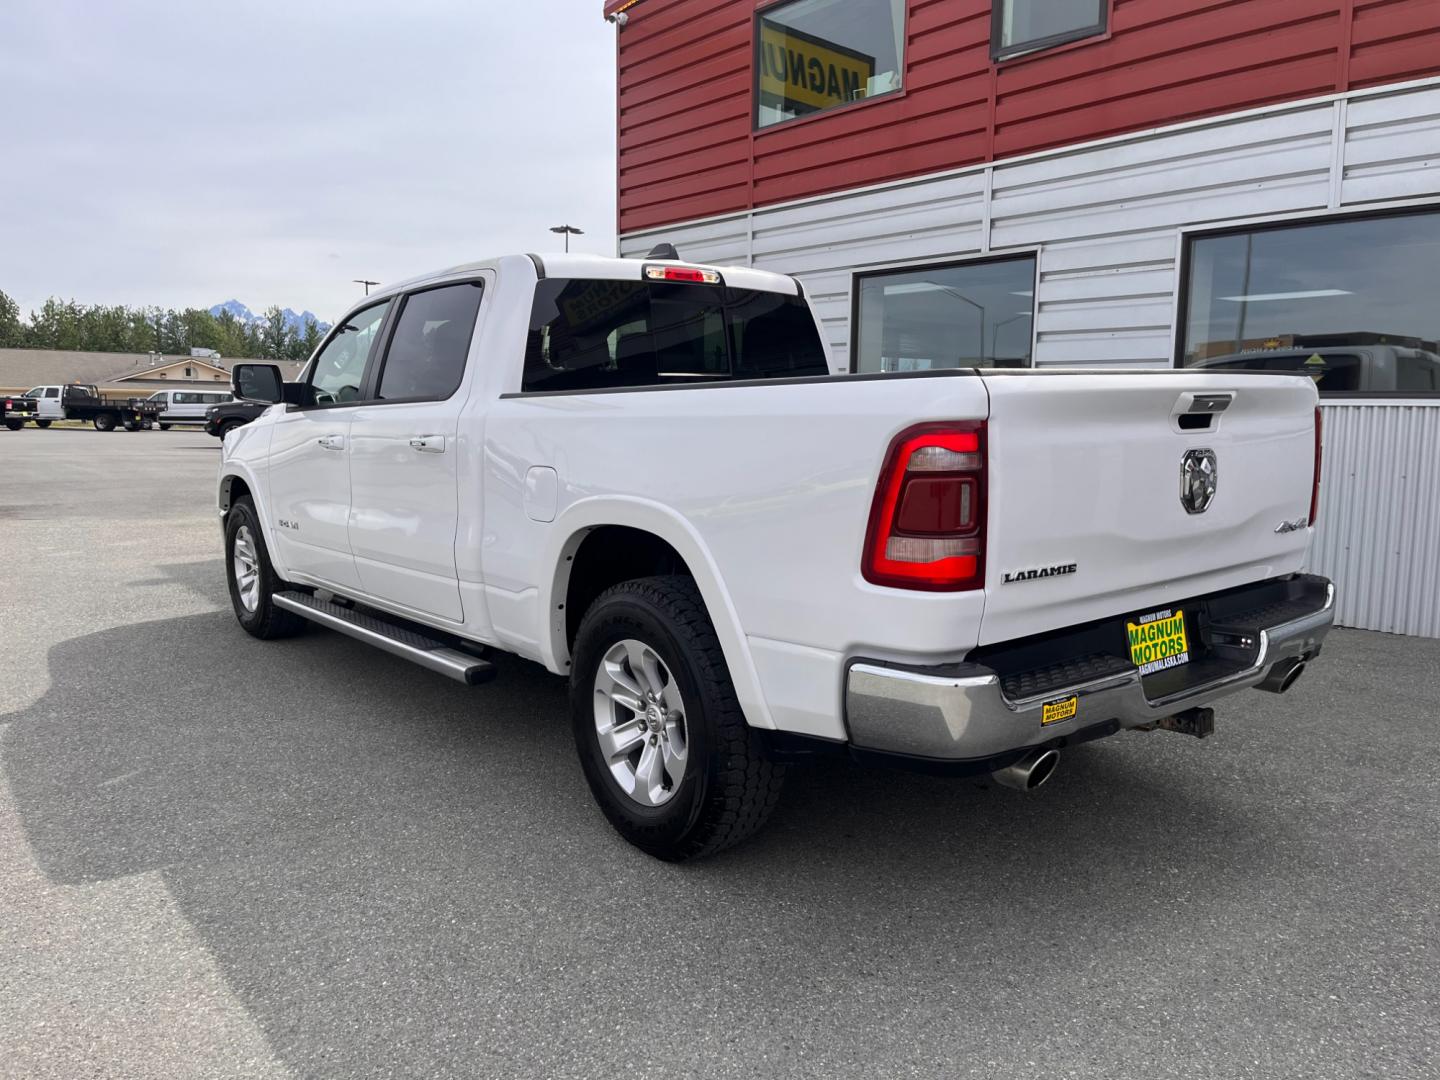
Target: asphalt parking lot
{"type": "Point", "coordinates": [220, 857]}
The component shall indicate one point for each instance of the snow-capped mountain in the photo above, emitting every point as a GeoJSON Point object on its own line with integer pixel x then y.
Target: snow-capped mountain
{"type": "Point", "coordinates": [293, 320]}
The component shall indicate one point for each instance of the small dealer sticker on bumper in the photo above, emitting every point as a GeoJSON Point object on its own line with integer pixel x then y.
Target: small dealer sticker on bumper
{"type": "Point", "coordinates": [1158, 641]}
{"type": "Point", "coordinates": [1053, 712]}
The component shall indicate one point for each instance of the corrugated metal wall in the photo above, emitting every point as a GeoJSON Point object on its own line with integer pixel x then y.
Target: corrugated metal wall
{"type": "Point", "coordinates": [1105, 219]}
{"type": "Point", "coordinates": [1106, 222]}
{"type": "Point", "coordinates": [1379, 529]}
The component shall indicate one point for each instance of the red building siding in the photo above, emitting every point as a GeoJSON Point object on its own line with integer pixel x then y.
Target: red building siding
{"type": "Point", "coordinates": [687, 147]}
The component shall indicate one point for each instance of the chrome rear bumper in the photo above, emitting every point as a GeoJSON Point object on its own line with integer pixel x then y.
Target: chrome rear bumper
{"type": "Point", "coordinates": [960, 712]}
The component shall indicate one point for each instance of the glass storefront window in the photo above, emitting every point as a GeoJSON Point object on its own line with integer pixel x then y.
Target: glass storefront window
{"type": "Point", "coordinates": [813, 55]}
{"type": "Point", "coordinates": [973, 314]}
{"type": "Point", "coordinates": [1351, 302]}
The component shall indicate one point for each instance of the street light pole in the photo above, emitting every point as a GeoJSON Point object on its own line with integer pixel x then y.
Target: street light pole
{"type": "Point", "coordinates": [366, 282]}
{"type": "Point", "coordinates": [567, 231]}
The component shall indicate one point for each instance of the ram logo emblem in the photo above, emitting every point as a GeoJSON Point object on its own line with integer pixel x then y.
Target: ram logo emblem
{"type": "Point", "coordinates": [1199, 475]}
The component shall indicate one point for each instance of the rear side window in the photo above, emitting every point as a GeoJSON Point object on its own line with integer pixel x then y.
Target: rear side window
{"type": "Point", "coordinates": [1420, 372]}
{"type": "Point", "coordinates": [593, 335]}
{"type": "Point", "coordinates": [426, 358]}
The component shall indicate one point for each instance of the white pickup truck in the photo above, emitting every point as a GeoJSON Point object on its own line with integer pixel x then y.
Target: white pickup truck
{"type": "Point", "coordinates": [644, 475]}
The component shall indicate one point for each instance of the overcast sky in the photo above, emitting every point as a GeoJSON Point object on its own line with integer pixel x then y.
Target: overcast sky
{"type": "Point", "coordinates": [184, 152]}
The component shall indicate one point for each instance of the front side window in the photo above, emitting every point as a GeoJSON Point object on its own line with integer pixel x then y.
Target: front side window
{"type": "Point", "coordinates": [593, 334]}
{"type": "Point", "coordinates": [339, 368]}
{"type": "Point", "coordinates": [975, 314]}
{"type": "Point", "coordinates": [813, 55]}
{"type": "Point", "coordinates": [1019, 26]}
{"type": "Point", "coordinates": [1349, 302]}
{"type": "Point", "coordinates": [426, 357]}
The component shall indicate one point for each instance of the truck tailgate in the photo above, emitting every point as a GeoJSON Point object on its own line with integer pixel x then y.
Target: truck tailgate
{"type": "Point", "coordinates": [1086, 519]}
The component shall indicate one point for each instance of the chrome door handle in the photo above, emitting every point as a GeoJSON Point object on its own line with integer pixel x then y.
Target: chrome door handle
{"type": "Point", "coordinates": [429, 444]}
{"type": "Point", "coordinates": [332, 442]}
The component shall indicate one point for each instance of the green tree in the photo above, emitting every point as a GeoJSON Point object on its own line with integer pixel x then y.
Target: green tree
{"type": "Point", "coordinates": [12, 330]}
{"type": "Point", "coordinates": [56, 325]}
{"type": "Point", "coordinates": [304, 343]}
{"type": "Point", "coordinates": [276, 335]}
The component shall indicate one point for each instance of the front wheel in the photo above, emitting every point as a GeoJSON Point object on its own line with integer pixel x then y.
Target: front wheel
{"type": "Point", "coordinates": [662, 740]}
{"type": "Point", "coordinates": [43, 424]}
{"type": "Point", "coordinates": [104, 422]}
{"type": "Point", "coordinates": [253, 582]}
{"type": "Point", "coordinates": [164, 427]}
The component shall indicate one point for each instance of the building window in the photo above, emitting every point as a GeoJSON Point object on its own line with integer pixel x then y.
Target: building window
{"type": "Point", "coordinates": [972, 314]}
{"type": "Point", "coordinates": [813, 55]}
{"type": "Point", "coordinates": [1351, 302]}
{"type": "Point", "coordinates": [1020, 26]}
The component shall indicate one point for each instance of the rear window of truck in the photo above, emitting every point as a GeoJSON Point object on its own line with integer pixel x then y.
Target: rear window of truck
{"type": "Point", "coordinates": [599, 335]}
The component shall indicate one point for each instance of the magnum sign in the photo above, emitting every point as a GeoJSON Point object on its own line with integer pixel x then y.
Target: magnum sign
{"type": "Point", "coordinates": [802, 74]}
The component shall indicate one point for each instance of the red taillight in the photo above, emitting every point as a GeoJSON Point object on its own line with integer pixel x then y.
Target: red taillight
{"type": "Point", "coordinates": [927, 523]}
{"type": "Point", "coordinates": [1315, 485]}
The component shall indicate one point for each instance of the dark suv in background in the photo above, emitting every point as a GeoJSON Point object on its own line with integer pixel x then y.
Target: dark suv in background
{"type": "Point", "coordinates": [233, 414]}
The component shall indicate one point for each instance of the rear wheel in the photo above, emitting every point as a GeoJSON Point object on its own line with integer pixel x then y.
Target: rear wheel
{"type": "Point", "coordinates": [252, 580]}
{"type": "Point", "coordinates": [43, 424]}
{"type": "Point", "coordinates": [164, 427]}
{"type": "Point", "coordinates": [14, 425]}
{"type": "Point", "coordinates": [131, 425]}
{"type": "Point", "coordinates": [662, 740]}
{"type": "Point", "coordinates": [104, 422]}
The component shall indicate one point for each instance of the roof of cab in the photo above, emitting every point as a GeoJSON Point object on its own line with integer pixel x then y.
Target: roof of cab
{"type": "Point", "coordinates": [577, 265]}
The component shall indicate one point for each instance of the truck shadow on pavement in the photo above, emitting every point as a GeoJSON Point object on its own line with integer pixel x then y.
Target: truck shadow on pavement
{"type": "Point", "coordinates": [393, 870]}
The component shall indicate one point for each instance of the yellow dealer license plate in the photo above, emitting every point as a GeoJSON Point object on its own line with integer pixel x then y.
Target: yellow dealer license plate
{"type": "Point", "coordinates": [1158, 641]}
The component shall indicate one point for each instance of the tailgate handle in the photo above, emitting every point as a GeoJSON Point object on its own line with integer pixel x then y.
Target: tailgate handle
{"type": "Point", "coordinates": [1206, 403]}
{"type": "Point", "coordinates": [1200, 412]}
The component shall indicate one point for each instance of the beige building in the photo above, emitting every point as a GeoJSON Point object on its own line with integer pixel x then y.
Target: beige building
{"type": "Point", "coordinates": [117, 374]}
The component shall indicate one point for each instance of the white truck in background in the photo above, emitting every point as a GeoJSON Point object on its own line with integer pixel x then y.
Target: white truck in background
{"type": "Point", "coordinates": [644, 475]}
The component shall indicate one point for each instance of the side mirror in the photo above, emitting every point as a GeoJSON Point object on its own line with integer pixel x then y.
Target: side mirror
{"type": "Point", "coordinates": [258, 382]}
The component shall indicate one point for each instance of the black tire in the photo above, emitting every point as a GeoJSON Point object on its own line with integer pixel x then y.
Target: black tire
{"type": "Point", "coordinates": [14, 425]}
{"type": "Point", "coordinates": [43, 424]}
{"type": "Point", "coordinates": [104, 421]}
{"type": "Point", "coordinates": [130, 425]}
{"type": "Point", "coordinates": [227, 427]}
{"type": "Point", "coordinates": [730, 786]}
{"type": "Point", "coordinates": [267, 621]}
{"type": "Point", "coordinates": [164, 427]}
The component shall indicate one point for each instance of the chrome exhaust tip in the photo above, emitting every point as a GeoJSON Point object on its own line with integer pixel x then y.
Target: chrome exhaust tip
{"type": "Point", "coordinates": [1283, 675]}
{"type": "Point", "coordinates": [1029, 772]}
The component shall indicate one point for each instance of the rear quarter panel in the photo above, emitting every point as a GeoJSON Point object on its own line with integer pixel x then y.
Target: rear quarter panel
{"type": "Point", "coordinates": [765, 489]}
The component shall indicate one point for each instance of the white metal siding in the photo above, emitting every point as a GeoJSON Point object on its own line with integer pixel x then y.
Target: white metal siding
{"type": "Point", "coordinates": [1379, 528]}
{"type": "Point", "coordinates": [1105, 218]}
{"type": "Point", "coordinates": [1106, 222]}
